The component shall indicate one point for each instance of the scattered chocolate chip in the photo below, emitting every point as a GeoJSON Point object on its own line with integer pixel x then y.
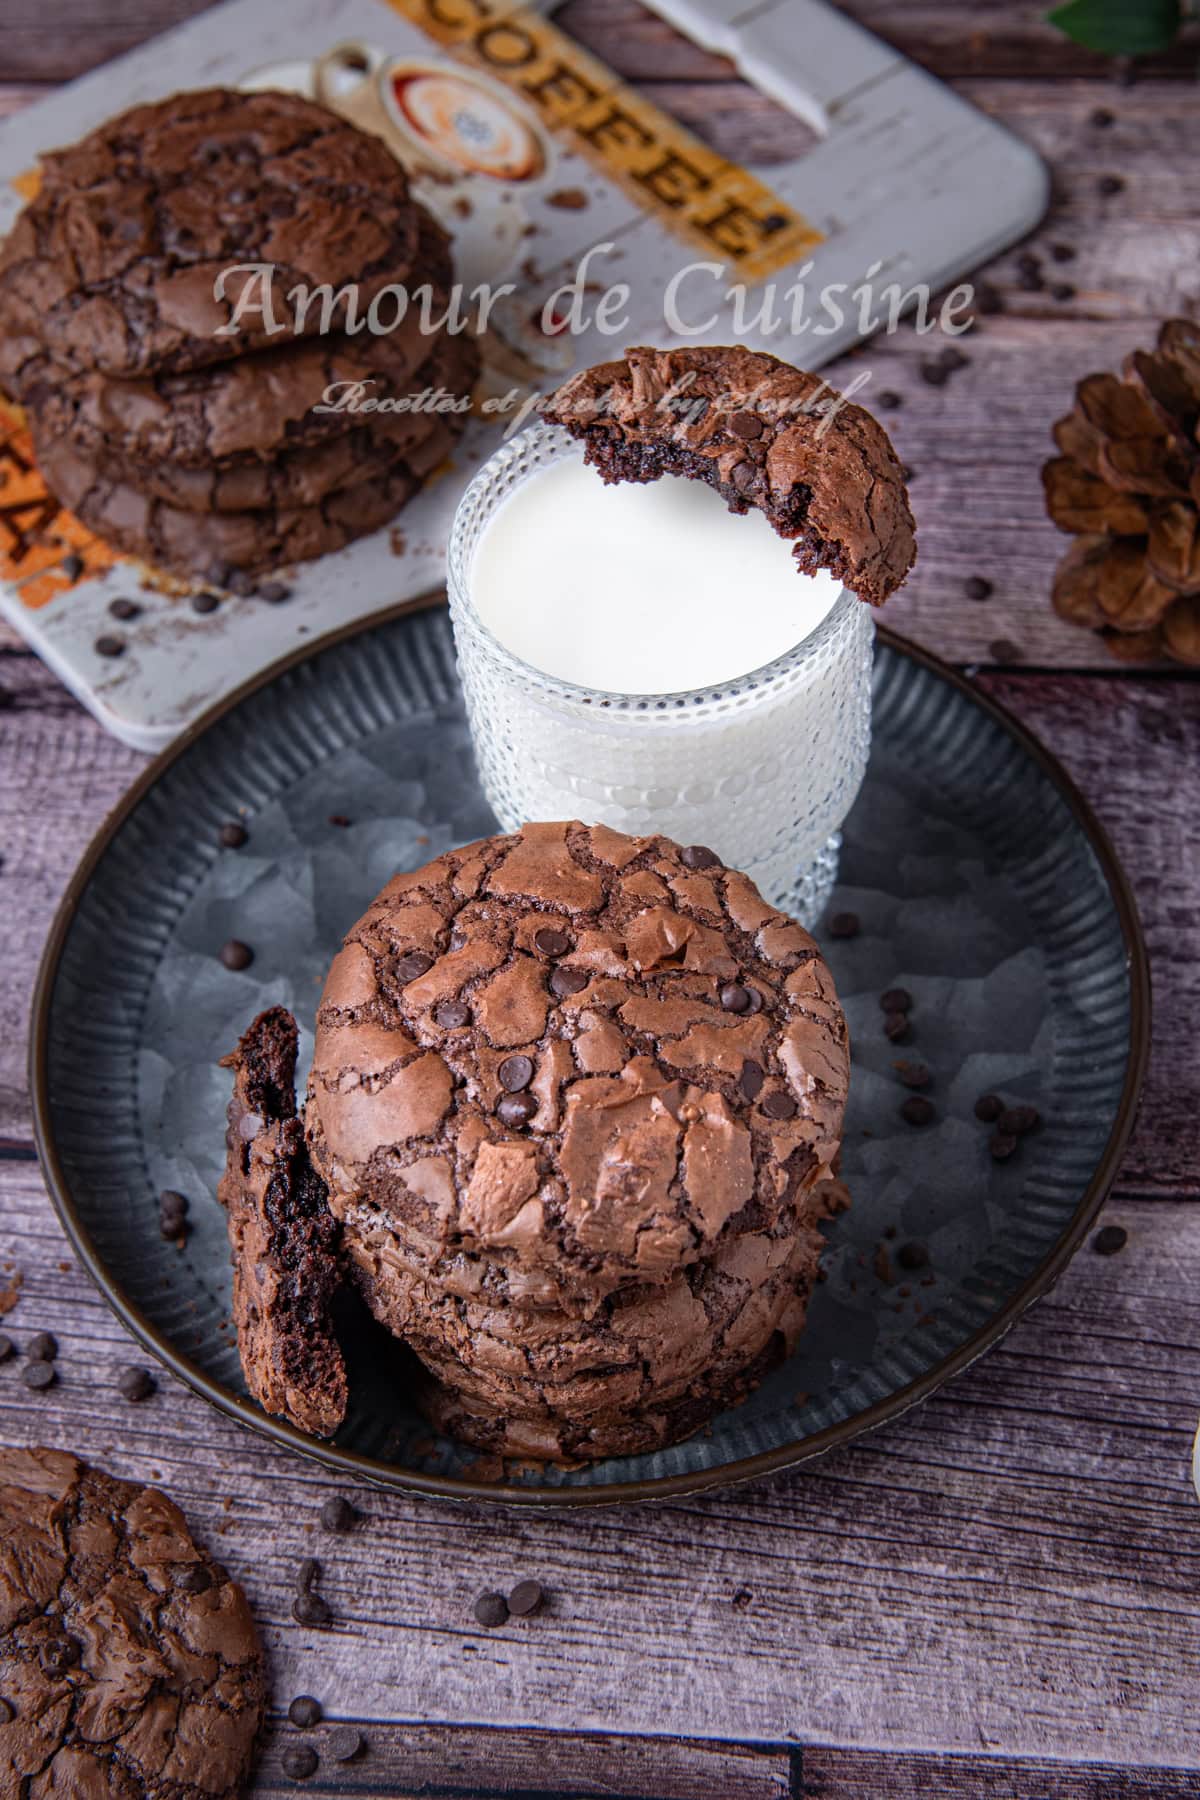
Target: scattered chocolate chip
{"type": "Point", "coordinates": [844, 925]}
{"type": "Point", "coordinates": [1063, 253]}
{"type": "Point", "coordinates": [58, 1654]}
{"type": "Point", "coordinates": [988, 299]}
{"type": "Point", "coordinates": [452, 1015]}
{"type": "Point", "coordinates": [7, 1348]}
{"type": "Point", "coordinates": [136, 1384]}
{"type": "Point", "coordinates": [699, 856]}
{"type": "Point", "coordinates": [896, 1027]}
{"type": "Point", "coordinates": [525, 1599]}
{"type": "Point", "coordinates": [1001, 1146]}
{"type": "Point", "coordinates": [988, 1108]}
{"type": "Point", "coordinates": [305, 1712]}
{"type": "Point", "coordinates": [491, 1609]}
{"type": "Point", "coordinates": [341, 821]}
{"type": "Point", "coordinates": [888, 400]}
{"type": "Point", "coordinates": [310, 1609]}
{"type": "Point", "coordinates": [1109, 1239]}
{"type": "Point", "coordinates": [516, 1109]}
{"type": "Point", "coordinates": [7, 1712]}
{"type": "Point", "coordinates": [908, 472]}
{"type": "Point", "coordinates": [274, 592]}
{"type": "Point", "coordinates": [751, 1079]}
{"type": "Point", "coordinates": [125, 610]}
{"type": "Point", "coordinates": [1062, 290]}
{"type": "Point", "coordinates": [896, 1000]}
{"type": "Point", "coordinates": [205, 602]}
{"type": "Point", "coordinates": [242, 584]}
{"type": "Point", "coordinates": [735, 999]}
{"type": "Point", "coordinates": [917, 1110]}
{"type": "Point", "coordinates": [1101, 118]}
{"type": "Point", "coordinates": [515, 1073]}
{"type": "Point", "coordinates": [913, 1074]}
{"type": "Point", "coordinates": [345, 1742]}
{"type": "Point", "coordinates": [912, 1256]}
{"type": "Point", "coordinates": [746, 426]}
{"type": "Point", "coordinates": [299, 1761]}
{"type": "Point", "coordinates": [779, 1105]}
{"type": "Point", "coordinates": [308, 1573]}
{"type": "Point", "coordinates": [1028, 263]}
{"type": "Point", "coordinates": [565, 982]}
{"type": "Point", "coordinates": [337, 1514]}
{"type": "Point", "coordinates": [172, 1213]}
{"type": "Point", "coordinates": [232, 835]}
{"type": "Point", "coordinates": [1109, 184]}
{"type": "Point", "coordinates": [549, 942]}
{"type": "Point", "coordinates": [71, 566]}
{"type": "Point", "coordinates": [409, 967]}
{"type": "Point", "coordinates": [743, 475]}
{"type": "Point", "coordinates": [236, 955]}
{"type": "Point", "coordinates": [977, 587]}
{"type": "Point", "coordinates": [1019, 1121]}
{"type": "Point", "coordinates": [1003, 650]}
{"type": "Point", "coordinates": [107, 644]}
{"type": "Point", "coordinates": [42, 1348]}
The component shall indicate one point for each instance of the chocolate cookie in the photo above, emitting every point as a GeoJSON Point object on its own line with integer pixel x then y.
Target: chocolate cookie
{"type": "Point", "coordinates": [565, 1062]}
{"type": "Point", "coordinates": [129, 1663]}
{"type": "Point", "coordinates": [282, 1236]}
{"type": "Point", "coordinates": [211, 545]}
{"type": "Point", "coordinates": [112, 266]}
{"type": "Point", "coordinates": [304, 477]}
{"type": "Point", "coordinates": [761, 433]}
{"type": "Point", "coordinates": [255, 406]}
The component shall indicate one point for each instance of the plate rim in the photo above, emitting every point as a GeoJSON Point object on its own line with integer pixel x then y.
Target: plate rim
{"type": "Point", "coordinates": [762, 1463]}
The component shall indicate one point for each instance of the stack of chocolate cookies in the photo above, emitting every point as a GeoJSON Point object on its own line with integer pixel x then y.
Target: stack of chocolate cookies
{"type": "Point", "coordinates": [575, 1101]}
{"type": "Point", "coordinates": [189, 285]}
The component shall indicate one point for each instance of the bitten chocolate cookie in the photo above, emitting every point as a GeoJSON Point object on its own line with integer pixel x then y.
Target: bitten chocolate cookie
{"type": "Point", "coordinates": [761, 433]}
{"type": "Point", "coordinates": [254, 406]}
{"type": "Point", "coordinates": [112, 266]}
{"type": "Point", "coordinates": [282, 1236]}
{"type": "Point", "coordinates": [130, 1668]}
{"type": "Point", "coordinates": [567, 1061]}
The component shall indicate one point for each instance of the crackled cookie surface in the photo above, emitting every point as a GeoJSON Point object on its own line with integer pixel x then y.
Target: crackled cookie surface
{"type": "Point", "coordinates": [559, 1063]}
{"type": "Point", "coordinates": [761, 433]}
{"type": "Point", "coordinates": [130, 1667]}
{"type": "Point", "coordinates": [112, 266]}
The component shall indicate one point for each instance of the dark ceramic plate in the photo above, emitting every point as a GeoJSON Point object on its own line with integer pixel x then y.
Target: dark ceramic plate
{"type": "Point", "coordinates": [984, 886]}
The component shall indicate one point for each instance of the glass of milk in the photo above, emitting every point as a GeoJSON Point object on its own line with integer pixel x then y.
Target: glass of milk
{"type": "Point", "coordinates": [635, 655]}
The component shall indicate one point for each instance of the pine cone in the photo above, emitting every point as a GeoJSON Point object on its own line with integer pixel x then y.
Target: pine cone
{"type": "Point", "coordinates": [1128, 485]}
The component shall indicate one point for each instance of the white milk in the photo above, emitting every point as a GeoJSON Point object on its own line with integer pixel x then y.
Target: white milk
{"type": "Point", "coordinates": [639, 589]}
{"type": "Point", "coordinates": [657, 589]}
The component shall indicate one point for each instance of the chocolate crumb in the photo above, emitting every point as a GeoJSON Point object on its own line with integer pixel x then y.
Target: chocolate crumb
{"type": "Point", "coordinates": [235, 955]}
{"type": "Point", "coordinates": [310, 1609]}
{"type": "Point", "coordinates": [205, 602]}
{"type": "Point", "coordinates": [136, 1384]}
{"type": "Point", "coordinates": [977, 587]}
{"type": "Point", "coordinates": [525, 1599]}
{"type": "Point", "coordinates": [340, 820]}
{"type": "Point", "coordinates": [491, 1609]}
{"type": "Point", "coordinates": [232, 835]}
{"type": "Point", "coordinates": [7, 1348]}
{"type": "Point", "coordinates": [1109, 184]}
{"type": "Point", "coordinates": [125, 610]}
{"type": "Point", "coordinates": [108, 644]}
{"type": "Point", "coordinates": [337, 1514]}
{"type": "Point", "coordinates": [1109, 1240]}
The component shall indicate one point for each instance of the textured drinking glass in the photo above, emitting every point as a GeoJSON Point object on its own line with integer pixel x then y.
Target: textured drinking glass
{"type": "Point", "coordinates": [762, 768]}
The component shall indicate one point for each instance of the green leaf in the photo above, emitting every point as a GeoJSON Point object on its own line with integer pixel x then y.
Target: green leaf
{"type": "Point", "coordinates": [1119, 27]}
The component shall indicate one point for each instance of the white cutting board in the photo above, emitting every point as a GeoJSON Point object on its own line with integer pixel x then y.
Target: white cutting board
{"type": "Point", "coordinates": [901, 173]}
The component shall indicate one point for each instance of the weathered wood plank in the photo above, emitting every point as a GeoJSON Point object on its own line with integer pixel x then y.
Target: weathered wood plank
{"type": "Point", "coordinates": [465, 1762]}
{"type": "Point", "coordinates": [855, 1775]}
{"type": "Point", "coordinates": [1014, 1565]}
{"type": "Point", "coordinates": [63, 38]}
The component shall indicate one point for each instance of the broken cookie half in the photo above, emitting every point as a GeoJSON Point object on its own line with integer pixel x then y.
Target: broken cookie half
{"type": "Point", "coordinates": [282, 1235]}
{"type": "Point", "coordinates": [764, 435]}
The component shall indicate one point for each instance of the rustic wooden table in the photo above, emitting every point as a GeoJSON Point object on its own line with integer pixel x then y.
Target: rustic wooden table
{"type": "Point", "coordinates": [995, 1596]}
